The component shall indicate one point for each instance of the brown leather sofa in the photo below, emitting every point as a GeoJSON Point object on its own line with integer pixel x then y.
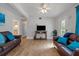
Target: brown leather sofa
{"type": "Point", "coordinates": [9, 44]}
{"type": "Point", "coordinates": [63, 50]}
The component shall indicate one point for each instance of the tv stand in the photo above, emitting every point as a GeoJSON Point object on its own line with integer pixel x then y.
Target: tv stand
{"type": "Point", "coordinates": [40, 32]}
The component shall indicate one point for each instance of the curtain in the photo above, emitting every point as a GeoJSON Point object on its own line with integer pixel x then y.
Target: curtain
{"type": "Point", "coordinates": [77, 20]}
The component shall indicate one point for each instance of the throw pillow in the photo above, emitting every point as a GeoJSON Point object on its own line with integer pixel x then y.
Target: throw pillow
{"type": "Point", "coordinates": [62, 40]}
{"type": "Point", "coordinates": [10, 36]}
{"type": "Point", "coordinates": [2, 39]}
{"type": "Point", "coordinates": [73, 45]}
{"type": "Point", "coordinates": [67, 34]}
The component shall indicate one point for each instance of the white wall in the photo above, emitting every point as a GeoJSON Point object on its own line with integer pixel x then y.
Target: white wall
{"type": "Point", "coordinates": [34, 21]}
{"type": "Point", "coordinates": [7, 26]}
{"type": "Point", "coordinates": [70, 17]}
{"type": "Point", "coordinates": [9, 17]}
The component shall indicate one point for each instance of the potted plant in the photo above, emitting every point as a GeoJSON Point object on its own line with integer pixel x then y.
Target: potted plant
{"type": "Point", "coordinates": [54, 32]}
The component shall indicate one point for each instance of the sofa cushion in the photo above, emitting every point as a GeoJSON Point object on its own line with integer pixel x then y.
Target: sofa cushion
{"type": "Point", "coordinates": [73, 45]}
{"type": "Point", "coordinates": [10, 36]}
{"type": "Point", "coordinates": [62, 40]}
{"type": "Point", "coordinates": [8, 45]}
{"type": "Point", "coordinates": [2, 40]}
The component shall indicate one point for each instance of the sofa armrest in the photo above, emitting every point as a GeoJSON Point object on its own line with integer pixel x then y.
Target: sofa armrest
{"type": "Point", "coordinates": [55, 38]}
{"type": "Point", "coordinates": [17, 36]}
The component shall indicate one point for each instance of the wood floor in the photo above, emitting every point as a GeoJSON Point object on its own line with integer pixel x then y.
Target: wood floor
{"type": "Point", "coordinates": [34, 48]}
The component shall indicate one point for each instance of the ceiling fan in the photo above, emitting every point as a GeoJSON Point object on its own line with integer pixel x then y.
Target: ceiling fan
{"type": "Point", "coordinates": [44, 8]}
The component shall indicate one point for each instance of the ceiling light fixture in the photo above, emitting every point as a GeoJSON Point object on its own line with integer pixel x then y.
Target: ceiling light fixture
{"type": "Point", "coordinates": [44, 8]}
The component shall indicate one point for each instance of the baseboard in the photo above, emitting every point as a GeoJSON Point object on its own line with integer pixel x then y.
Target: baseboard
{"type": "Point", "coordinates": [30, 37]}
{"type": "Point", "coordinates": [49, 38]}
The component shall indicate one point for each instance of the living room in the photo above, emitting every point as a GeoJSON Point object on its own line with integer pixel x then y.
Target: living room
{"type": "Point", "coordinates": [33, 24]}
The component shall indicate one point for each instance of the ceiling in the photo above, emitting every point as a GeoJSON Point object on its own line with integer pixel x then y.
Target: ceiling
{"type": "Point", "coordinates": [32, 9]}
{"type": "Point", "coordinates": [10, 9]}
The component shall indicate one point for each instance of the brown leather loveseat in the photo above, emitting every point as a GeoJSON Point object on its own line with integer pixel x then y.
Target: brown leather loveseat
{"type": "Point", "coordinates": [9, 44]}
{"type": "Point", "coordinates": [63, 50]}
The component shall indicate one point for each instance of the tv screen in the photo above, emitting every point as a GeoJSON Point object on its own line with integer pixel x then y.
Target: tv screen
{"type": "Point", "coordinates": [2, 18]}
{"type": "Point", "coordinates": [41, 28]}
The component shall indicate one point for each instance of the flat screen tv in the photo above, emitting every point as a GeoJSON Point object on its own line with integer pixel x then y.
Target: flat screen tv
{"type": "Point", "coordinates": [2, 18]}
{"type": "Point", "coordinates": [41, 28]}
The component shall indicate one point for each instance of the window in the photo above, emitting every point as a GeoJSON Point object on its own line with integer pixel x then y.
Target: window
{"type": "Point", "coordinates": [63, 29]}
